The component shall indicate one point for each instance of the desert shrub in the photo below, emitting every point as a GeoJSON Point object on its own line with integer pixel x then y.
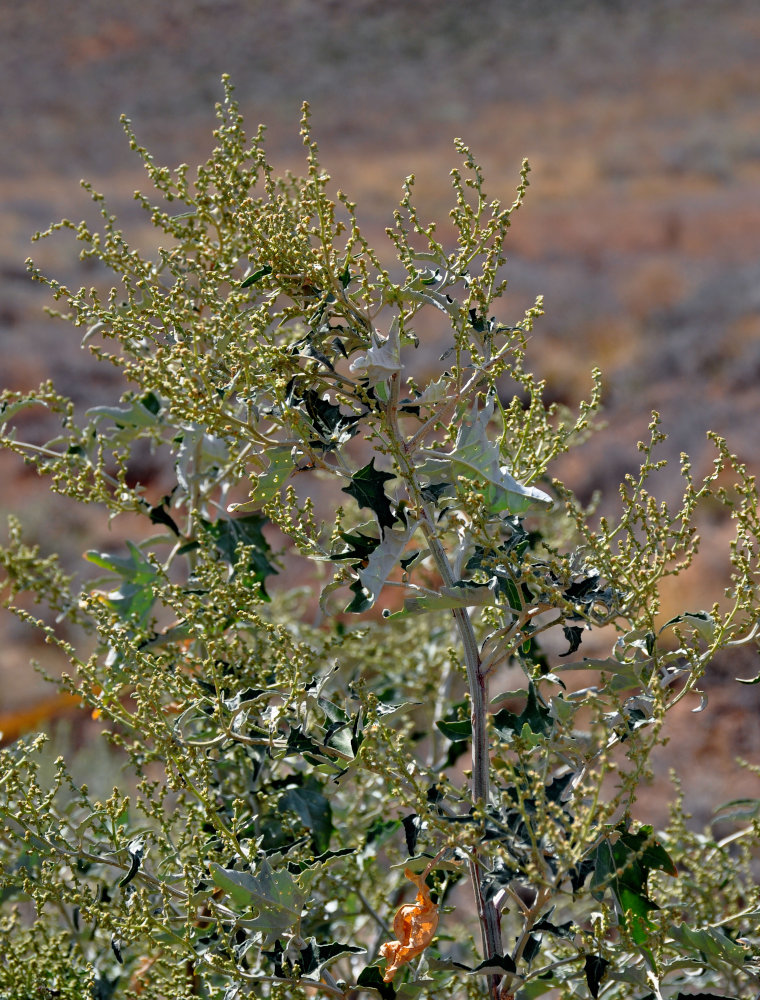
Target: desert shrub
{"type": "Point", "coordinates": [403, 777]}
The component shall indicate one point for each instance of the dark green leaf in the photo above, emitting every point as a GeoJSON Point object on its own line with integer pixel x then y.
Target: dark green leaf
{"type": "Point", "coordinates": [367, 489]}
{"type": "Point", "coordinates": [456, 731]}
{"type": "Point", "coordinates": [116, 949]}
{"type": "Point", "coordinates": [623, 867]}
{"type": "Point", "coordinates": [332, 426]}
{"type": "Point", "coordinates": [314, 957]}
{"type": "Point", "coordinates": [135, 850]}
{"type": "Point", "coordinates": [360, 546]}
{"type": "Point", "coordinates": [314, 811]}
{"type": "Point", "coordinates": [455, 751]}
{"type": "Point", "coordinates": [151, 402]}
{"type": "Point", "coordinates": [581, 872]}
{"type": "Point", "coordinates": [230, 535]}
{"type": "Point", "coordinates": [372, 978]}
{"type": "Point", "coordinates": [534, 715]}
{"type": "Point", "coordinates": [361, 601]}
{"type": "Point", "coordinates": [595, 968]}
{"type": "Point", "coordinates": [380, 830]}
{"type": "Point", "coordinates": [345, 275]}
{"type": "Point", "coordinates": [497, 965]}
{"type": "Point", "coordinates": [104, 988]}
{"type": "Point", "coordinates": [653, 855]}
{"type": "Point", "coordinates": [573, 634]}
{"type": "Point", "coordinates": [562, 930]}
{"type": "Point", "coordinates": [160, 515]}
{"type": "Point", "coordinates": [532, 948]}
{"type": "Point", "coordinates": [434, 491]}
{"type": "Point", "coordinates": [412, 825]}
{"type": "Point", "coordinates": [304, 746]}
{"type": "Point", "coordinates": [257, 275]}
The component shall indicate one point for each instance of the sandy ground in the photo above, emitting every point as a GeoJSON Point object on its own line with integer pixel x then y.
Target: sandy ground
{"type": "Point", "coordinates": [642, 226]}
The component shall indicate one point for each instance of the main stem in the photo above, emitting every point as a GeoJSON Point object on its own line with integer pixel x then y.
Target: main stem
{"type": "Point", "coordinates": [488, 913]}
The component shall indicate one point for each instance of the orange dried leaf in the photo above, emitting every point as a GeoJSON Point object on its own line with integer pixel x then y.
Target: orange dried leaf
{"type": "Point", "coordinates": [414, 925]}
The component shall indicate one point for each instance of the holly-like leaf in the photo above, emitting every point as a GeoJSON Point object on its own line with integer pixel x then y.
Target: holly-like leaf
{"type": "Point", "coordinates": [276, 896]}
{"type": "Point", "coordinates": [314, 811]}
{"type": "Point", "coordinates": [230, 533]}
{"type": "Point", "coordinates": [565, 930]}
{"type": "Point", "coordinates": [711, 943]}
{"type": "Point", "coordinates": [361, 546]}
{"type": "Point", "coordinates": [702, 622]}
{"type": "Point", "coordinates": [361, 601]}
{"type": "Point", "coordinates": [384, 558]}
{"type": "Point", "coordinates": [653, 855]}
{"type": "Point", "coordinates": [623, 867]}
{"type": "Point", "coordinates": [130, 420]}
{"type": "Point", "coordinates": [496, 965]}
{"type": "Point", "coordinates": [412, 825]}
{"type": "Point", "coordinates": [534, 715]}
{"type": "Point", "coordinates": [269, 483]}
{"type": "Point", "coordinates": [315, 957]}
{"type": "Point", "coordinates": [367, 489]}
{"type": "Point", "coordinates": [371, 978]}
{"type": "Point", "coordinates": [573, 634]}
{"type": "Point", "coordinates": [595, 967]}
{"type": "Point", "coordinates": [436, 392]}
{"type": "Point", "coordinates": [159, 514]}
{"type": "Point", "coordinates": [476, 457]}
{"type": "Point", "coordinates": [461, 595]}
{"type": "Point", "coordinates": [133, 598]}
{"type": "Point", "coordinates": [331, 425]}
{"type": "Point", "coordinates": [382, 360]}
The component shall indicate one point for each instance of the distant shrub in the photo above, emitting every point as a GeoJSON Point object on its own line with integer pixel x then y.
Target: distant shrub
{"type": "Point", "coordinates": [295, 819]}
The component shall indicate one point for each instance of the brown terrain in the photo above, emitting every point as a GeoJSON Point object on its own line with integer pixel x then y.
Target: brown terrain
{"type": "Point", "coordinates": [642, 226]}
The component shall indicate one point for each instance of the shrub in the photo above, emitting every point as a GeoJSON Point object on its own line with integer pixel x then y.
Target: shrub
{"type": "Point", "coordinates": [319, 799]}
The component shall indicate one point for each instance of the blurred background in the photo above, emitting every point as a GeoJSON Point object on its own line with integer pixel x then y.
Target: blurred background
{"type": "Point", "coordinates": [641, 228]}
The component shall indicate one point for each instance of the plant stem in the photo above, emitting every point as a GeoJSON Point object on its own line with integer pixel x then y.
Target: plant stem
{"type": "Point", "coordinates": [488, 913]}
{"type": "Point", "coordinates": [477, 682]}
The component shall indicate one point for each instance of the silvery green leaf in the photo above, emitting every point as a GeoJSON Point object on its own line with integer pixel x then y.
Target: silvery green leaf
{"type": "Point", "coordinates": [467, 595]}
{"type": "Point", "coordinates": [384, 557]}
{"type": "Point", "coordinates": [269, 483]}
{"type": "Point", "coordinates": [702, 622]}
{"type": "Point", "coordinates": [476, 457]}
{"type": "Point", "coordinates": [382, 360]}
{"type": "Point", "coordinates": [275, 894]}
{"type": "Point", "coordinates": [435, 392]}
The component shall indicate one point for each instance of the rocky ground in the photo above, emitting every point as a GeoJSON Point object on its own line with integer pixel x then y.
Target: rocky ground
{"type": "Point", "coordinates": [642, 226]}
